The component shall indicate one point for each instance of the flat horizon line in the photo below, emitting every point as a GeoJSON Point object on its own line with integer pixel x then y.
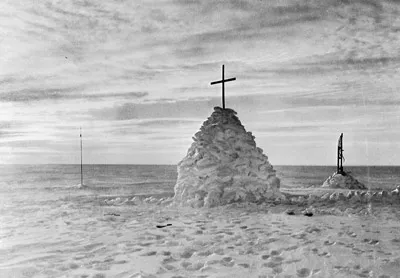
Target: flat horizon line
{"type": "Point", "coordinates": [276, 165]}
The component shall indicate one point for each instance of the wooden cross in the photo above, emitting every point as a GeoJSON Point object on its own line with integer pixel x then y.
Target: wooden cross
{"type": "Point", "coordinates": [223, 80]}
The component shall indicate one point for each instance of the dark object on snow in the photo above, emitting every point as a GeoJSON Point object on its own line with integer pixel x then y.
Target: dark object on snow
{"type": "Point", "coordinates": [163, 226]}
{"type": "Point", "coordinates": [308, 213]}
{"type": "Point", "coordinates": [290, 212]}
{"type": "Point", "coordinates": [113, 214]}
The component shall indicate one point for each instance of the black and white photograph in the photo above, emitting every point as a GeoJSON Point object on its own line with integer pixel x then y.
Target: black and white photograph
{"type": "Point", "coordinates": [199, 138]}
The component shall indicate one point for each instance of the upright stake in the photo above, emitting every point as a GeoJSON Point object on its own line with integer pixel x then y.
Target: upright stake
{"type": "Point", "coordinates": [80, 133]}
{"type": "Point", "coordinates": [340, 155]}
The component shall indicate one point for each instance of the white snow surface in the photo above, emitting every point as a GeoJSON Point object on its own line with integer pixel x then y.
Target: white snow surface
{"type": "Point", "coordinates": [344, 181]}
{"type": "Point", "coordinates": [224, 165]}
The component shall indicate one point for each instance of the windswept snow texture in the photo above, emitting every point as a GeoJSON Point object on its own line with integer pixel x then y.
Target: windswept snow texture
{"type": "Point", "coordinates": [224, 165]}
{"type": "Point", "coordinates": [344, 181]}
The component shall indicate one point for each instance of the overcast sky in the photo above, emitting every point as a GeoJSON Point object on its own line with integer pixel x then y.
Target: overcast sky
{"type": "Point", "coordinates": [136, 76]}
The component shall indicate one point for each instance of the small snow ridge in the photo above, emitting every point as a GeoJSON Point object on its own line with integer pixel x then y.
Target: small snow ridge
{"type": "Point", "coordinates": [79, 186]}
{"type": "Point", "coordinates": [116, 201]}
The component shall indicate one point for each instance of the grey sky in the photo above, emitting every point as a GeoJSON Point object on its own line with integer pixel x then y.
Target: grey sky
{"type": "Point", "coordinates": [135, 75]}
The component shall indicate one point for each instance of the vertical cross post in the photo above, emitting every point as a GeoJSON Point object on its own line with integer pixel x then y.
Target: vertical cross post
{"type": "Point", "coordinates": [223, 80]}
{"type": "Point", "coordinates": [223, 87]}
{"type": "Point", "coordinates": [341, 154]}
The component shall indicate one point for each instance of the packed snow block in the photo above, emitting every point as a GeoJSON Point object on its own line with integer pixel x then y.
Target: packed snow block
{"type": "Point", "coordinates": [223, 165]}
{"type": "Point", "coordinates": [343, 180]}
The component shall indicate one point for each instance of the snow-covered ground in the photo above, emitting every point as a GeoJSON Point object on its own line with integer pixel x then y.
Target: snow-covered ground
{"type": "Point", "coordinates": [118, 237]}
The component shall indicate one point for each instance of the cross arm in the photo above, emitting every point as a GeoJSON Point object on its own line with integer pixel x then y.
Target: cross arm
{"type": "Point", "coordinates": [222, 81]}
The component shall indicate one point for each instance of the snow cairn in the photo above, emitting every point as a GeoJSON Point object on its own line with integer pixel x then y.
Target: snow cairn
{"type": "Point", "coordinates": [224, 165]}
{"type": "Point", "coordinates": [343, 180]}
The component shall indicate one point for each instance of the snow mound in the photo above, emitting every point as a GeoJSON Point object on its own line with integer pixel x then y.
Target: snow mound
{"type": "Point", "coordinates": [224, 165]}
{"type": "Point", "coordinates": [343, 180]}
{"type": "Point", "coordinates": [79, 186]}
